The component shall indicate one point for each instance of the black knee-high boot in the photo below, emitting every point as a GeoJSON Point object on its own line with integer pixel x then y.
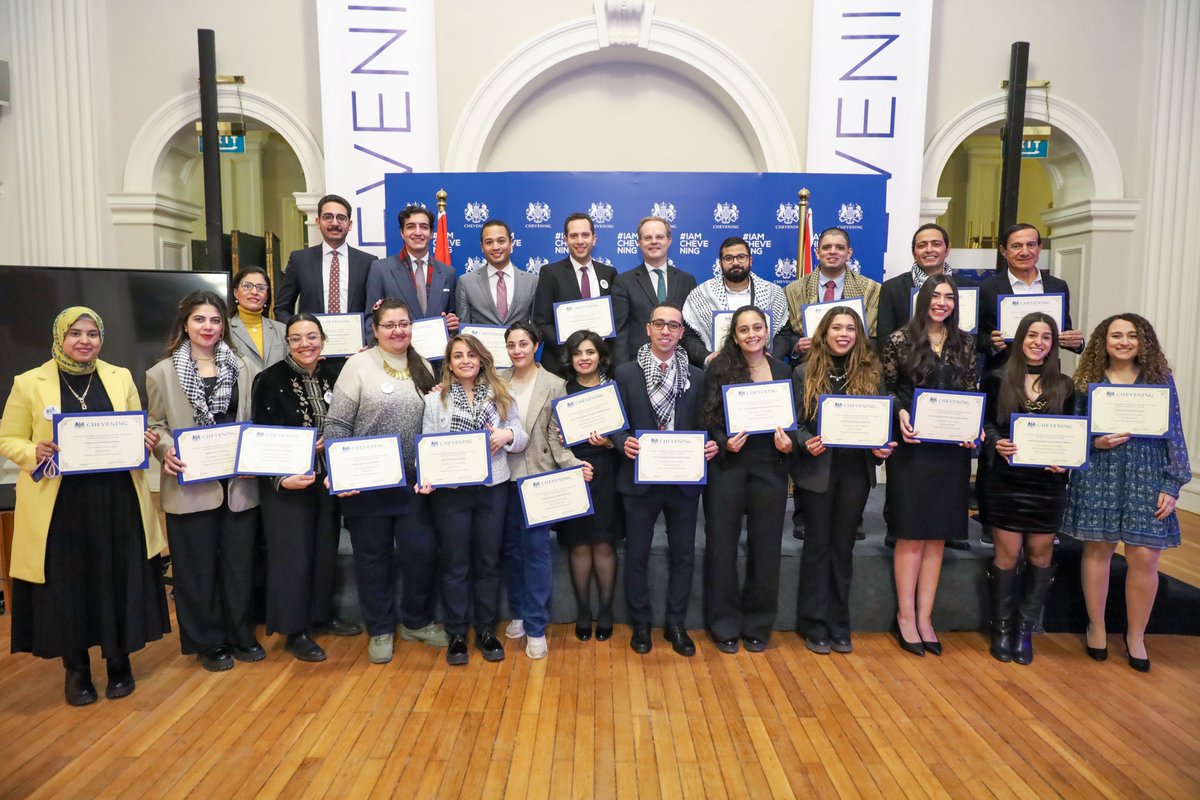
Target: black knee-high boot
{"type": "Point", "coordinates": [79, 688]}
{"type": "Point", "coordinates": [1034, 588]}
{"type": "Point", "coordinates": [1002, 584]}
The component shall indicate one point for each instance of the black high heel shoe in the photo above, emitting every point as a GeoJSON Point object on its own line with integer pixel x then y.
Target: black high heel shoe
{"type": "Point", "coordinates": [1140, 664]}
{"type": "Point", "coordinates": [916, 648]}
{"type": "Point", "coordinates": [1094, 653]}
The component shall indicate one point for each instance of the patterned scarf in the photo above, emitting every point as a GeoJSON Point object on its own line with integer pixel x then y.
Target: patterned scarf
{"type": "Point", "coordinates": [919, 275]}
{"type": "Point", "coordinates": [205, 409]}
{"type": "Point", "coordinates": [62, 323]}
{"type": "Point", "coordinates": [310, 394]}
{"type": "Point", "coordinates": [664, 386]}
{"type": "Point", "coordinates": [466, 415]}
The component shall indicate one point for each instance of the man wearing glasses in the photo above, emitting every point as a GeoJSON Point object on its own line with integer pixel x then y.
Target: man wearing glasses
{"type": "Point", "coordinates": [330, 277]}
{"type": "Point", "coordinates": [636, 293]}
{"type": "Point", "coordinates": [736, 286]}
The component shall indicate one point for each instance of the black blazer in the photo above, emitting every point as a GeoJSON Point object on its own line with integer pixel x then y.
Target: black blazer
{"type": "Point", "coordinates": [895, 307]}
{"type": "Point", "coordinates": [631, 383]}
{"type": "Point", "coordinates": [780, 371]}
{"type": "Point", "coordinates": [279, 399]}
{"type": "Point", "coordinates": [556, 284]}
{"type": "Point", "coordinates": [989, 292]}
{"type": "Point", "coordinates": [634, 299]}
{"type": "Point", "coordinates": [302, 279]}
{"type": "Point", "coordinates": [811, 472]}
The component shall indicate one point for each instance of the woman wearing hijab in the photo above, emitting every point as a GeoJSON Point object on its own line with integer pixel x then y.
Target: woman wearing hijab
{"type": "Point", "coordinates": [258, 338]}
{"type": "Point", "coordinates": [210, 525]}
{"type": "Point", "coordinates": [85, 560]}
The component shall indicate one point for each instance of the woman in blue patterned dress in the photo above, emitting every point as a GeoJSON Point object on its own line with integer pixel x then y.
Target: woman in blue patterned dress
{"type": "Point", "coordinates": [1128, 496]}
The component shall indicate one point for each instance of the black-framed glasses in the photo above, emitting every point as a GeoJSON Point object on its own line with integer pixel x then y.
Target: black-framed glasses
{"type": "Point", "coordinates": [330, 217]}
{"type": "Point", "coordinates": [391, 326]}
{"type": "Point", "coordinates": [739, 258]}
{"type": "Point", "coordinates": [247, 286]}
{"type": "Point", "coordinates": [672, 325]}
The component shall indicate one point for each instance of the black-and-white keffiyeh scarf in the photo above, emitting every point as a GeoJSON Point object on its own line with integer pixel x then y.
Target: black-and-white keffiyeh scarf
{"type": "Point", "coordinates": [204, 409]}
{"type": "Point", "coordinates": [919, 275]}
{"type": "Point", "coordinates": [664, 386]}
{"type": "Point", "coordinates": [466, 415]}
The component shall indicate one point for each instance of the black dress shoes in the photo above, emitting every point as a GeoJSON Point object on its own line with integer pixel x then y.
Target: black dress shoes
{"type": "Point", "coordinates": [120, 678]}
{"type": "Point", "coordinates": [841, 644]}
{"type": "Point", "coordinates": [640, 641]}
{"type": "Point", "coordinates": [680, 642]}
{"type": "Point", "coordinates": [754, 645]}
{"type": "Point", "coordinates": [1095, 653]}
{"type": "Point", "coordinates": [818, 644]}
{"type": "Point", "coordinates": [1140, 664]}
{"type": "Point", "coordinates": [304, 648]}
{"type": "Point", "coordinates": [78, 687]}
{"type": "Point", "coordinates": [726, 645]}
{"type": "Point", "coordinates": [603, 633]}
{"type": "Point", "coordinates": [216, 659]}
{"type": "Point", "coordinates": [487, 643]}
{"type": "Point", "coordinates": [583, 632]}
{"type": "Point", "coordinates": [933, 648]}
{"type": "Point", "coordinates": [336, 627]}
{"type": "Point", "coordinates": [456, 651]}
{"type": "Point", "coordinates": [917, 648]}
{"type": "Point", "coordinates": [252, 653]}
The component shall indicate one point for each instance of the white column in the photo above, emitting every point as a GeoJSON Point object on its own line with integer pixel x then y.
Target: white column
{"type": "Point", "coordinates": [1169, 260]}
{"type": "Point", "coordinates": [57, 146]}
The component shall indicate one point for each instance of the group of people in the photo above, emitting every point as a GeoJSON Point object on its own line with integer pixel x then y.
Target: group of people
{"type": "Point", "coordinates": [86, 557]}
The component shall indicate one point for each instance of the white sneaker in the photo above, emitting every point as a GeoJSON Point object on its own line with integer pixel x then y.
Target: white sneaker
{"type": "Point", "coordinates": [515, 630]}
{"type": "Point", "coordinates": [535, 647]}
{"type": "Point", "coordinates": [379, 649]}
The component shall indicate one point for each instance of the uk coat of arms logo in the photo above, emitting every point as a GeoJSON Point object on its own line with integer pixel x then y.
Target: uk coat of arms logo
{"type": "Point", "coordinates": [476, 213]}
{"type": "Point", "coordinates": [787, 214]}
{"type": "Point", "coordinates": [854, 266]}
{"type": "Point", "coordinates": [726, 213]}
{"type": "Point", "coordinates": [474, 263]}
{"type": "Point", "coordinates": [537, 212]}
{"type": "Point", "coordinates": [664, 211]}
{"type": "Point", "coordinates": [535, 264]}
{"type": "Point", "coordinates": [785, 268]}
{"type": "Point", "coordinates": [850, 214]}
{"type": "Point", "coordinates": [601, 213]}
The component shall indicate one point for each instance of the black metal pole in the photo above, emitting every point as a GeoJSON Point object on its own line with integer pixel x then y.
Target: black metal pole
{"type": "Point", "coordinates": [212, 155]}
{"type": "Point", "coordinates": [1010, 140]}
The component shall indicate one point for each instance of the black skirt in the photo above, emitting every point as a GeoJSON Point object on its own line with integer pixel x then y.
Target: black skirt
{"type": "Point", "coordinates": [607, 524]}
{"type": "Point", "coordinates": [928, 490]}
{"type": "Point", "coordinates": [1020, 499]}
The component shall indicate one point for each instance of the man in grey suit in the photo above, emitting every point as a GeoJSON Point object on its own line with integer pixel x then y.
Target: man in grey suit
{"type": "Point", "coordinates": [424, 283]}
{"type": "Point", "coordinates": [499, 294]}
{"type": "Point", "coordinates": [330, 277]}
{"type": "Point", "coordinates": [639, 291]}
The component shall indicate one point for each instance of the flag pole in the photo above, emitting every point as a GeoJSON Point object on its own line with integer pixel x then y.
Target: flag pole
{"type": "Point", "coordinates": [803, 246]}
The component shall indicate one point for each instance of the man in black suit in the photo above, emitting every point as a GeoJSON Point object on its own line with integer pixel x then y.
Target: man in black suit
{"type": "Point", "coordinates": [576, 277]}
{"type": "Point", "coordinates": [328, 278]}
{"type": "Point", "coordinates": [427, 285]}
{"type": "Point", "coordinates": [930, 245]}
{"type": "Point", "coordinates": [660, 390]}
{"type": "Point", "coordinates": [637, 292]}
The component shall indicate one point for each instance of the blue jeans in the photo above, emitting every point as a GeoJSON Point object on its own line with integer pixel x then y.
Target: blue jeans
{"type": "Point", "coordinates": [528, 571]}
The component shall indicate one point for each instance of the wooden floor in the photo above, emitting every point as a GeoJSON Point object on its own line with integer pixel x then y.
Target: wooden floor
{"type": "Point", "coordinates": [596, 720]}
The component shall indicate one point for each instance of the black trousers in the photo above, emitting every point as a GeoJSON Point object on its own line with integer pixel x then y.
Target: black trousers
{"type": "Point", "coordinates": [212, 555]}
{"type": "Point", "coordinates": [753, 486]}
{"type": "Point", "coordinates": [301, 530]}
{"type": "Point", "coordinates": [390, 546]}
{"type": "Point", "coordinates": [641, 512]}
{"type": "Point", "coordinates": [827, 560]}
{"type": "Point", "coordinates": [470, 530]}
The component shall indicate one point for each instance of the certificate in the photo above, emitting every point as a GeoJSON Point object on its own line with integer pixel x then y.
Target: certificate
{"type": "Point", "coordinates": [947, 416]}
{"type": "Point", "coordinates": [454, 459]}
{"type": "Point", "coordinates": [343, 334]}
{"type": "Point", "coordinates": [854, 421]}
{"type": "Point", "coordinates": [594, 314]}
{"type": "Point", "coordinates": [210, 453]}
{"type": "Point", "coordinates": [968, 308]}
{"type": "Point", "coordinates": [759, 407]}
{"type": "Point", "coordinates": [721, 320]}
{"type": "Point", "coordinates": [491, 337]}
{"type": "Point", "coordinates": [1048, 440]}
{"type": "Point", "coordinates": [1140, 410]}
{"type": "Point", "coordinates": [429, 337]}
{"type": "Point", "coordinates": [364, 463]}
{"type": "Point", "coordinates": [276, 450]}
{"type": "Point", "coordinates": [671, 457]}
{"type": "Point", "coordinates": [598, 410]}
{"type": "Point", "coordinates": [1012, 308]}
{"type": "Point", "coordinates": [554, 496]}
{"type": "Point", "coordinates": [813, 313]}
{"type": "Point", "coordinates": [112, 441]}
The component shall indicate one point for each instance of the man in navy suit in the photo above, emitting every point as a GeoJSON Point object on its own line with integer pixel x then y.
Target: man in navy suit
{"type": "Point", "coordinates": [661, 390]}
{"type": "Point", "coordinates": [330, 277]}
{"type": "Point", "coordinates": [637, 292]}
{"type": "Point", "coordinates": [568, 280]}
{"type": "Point", "coordinates": [420, 280]}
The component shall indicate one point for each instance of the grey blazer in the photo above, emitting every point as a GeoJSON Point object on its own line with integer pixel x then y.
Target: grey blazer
{"type": "Point", "coordinates": [476, 306]}
{"type": "Point", "coordinates": [170, 409]}
{"type": "Point", "coordinates": [545, 451]}
{"type": "Point", "coordinates": [274, 342]}
{"type": "Point", "coordinates": [812, 472]}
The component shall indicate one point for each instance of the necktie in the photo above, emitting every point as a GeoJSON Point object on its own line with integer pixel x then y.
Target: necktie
{"type": "Point", "coordinates": [829, 287]}
{"type": "Point", "coordinates": [501, 297]}
{"type": "Point", "coordinates": [335, 285]}
{"type": "Point", "coordinates": [419, 283]}
{"type": "Point", "coordinates": [662, 285]}
{"type": "Point", "coordinates": [585, 285]}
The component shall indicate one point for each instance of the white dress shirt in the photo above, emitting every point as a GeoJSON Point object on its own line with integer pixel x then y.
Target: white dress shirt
{"type": "Point", "coordinates": [1019, 286]}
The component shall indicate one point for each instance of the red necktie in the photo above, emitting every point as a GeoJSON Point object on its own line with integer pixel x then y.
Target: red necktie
{"type": "Point", "coordinates": [585, 285]}
{"type": "Point", "coordinates": [829, 287]}
{"type": "Point", "coordinates": [501, 297]}
{"type": "Point", "coordinates": [335, 285]}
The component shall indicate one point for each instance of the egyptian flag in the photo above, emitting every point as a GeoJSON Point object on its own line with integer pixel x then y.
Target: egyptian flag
{"type": "Point", "coordinates": [441, 248]}
{"type": "Point", "coordinates": [806, 249]}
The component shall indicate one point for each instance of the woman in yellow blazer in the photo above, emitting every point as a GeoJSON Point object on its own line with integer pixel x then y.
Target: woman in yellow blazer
{"type": "Point", "coordinates": [85, 563]}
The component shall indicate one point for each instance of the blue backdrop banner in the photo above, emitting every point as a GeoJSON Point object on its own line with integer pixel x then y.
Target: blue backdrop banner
{"type": "Point", "coordinates": [704, 208]}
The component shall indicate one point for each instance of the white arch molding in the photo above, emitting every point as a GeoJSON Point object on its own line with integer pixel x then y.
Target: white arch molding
{"type": "Point", "coordinates": [665, 43]}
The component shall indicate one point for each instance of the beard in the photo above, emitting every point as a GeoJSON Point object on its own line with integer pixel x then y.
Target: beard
{"type": "Point", "coordinates": [736, 274]}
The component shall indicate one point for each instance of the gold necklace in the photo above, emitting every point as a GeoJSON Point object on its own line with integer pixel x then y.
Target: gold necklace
{"type": "Point", "coordinates": [81, 397]}
{"type": "Point", "coordinates": [397, 374]}
{"type": "Point", "coordinates": [937, 345]}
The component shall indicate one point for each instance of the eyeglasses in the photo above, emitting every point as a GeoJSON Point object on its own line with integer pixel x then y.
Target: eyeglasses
{"type": "Point", "coordinates": [672, 326]}
{"type": "Point", "coordinates": [391, 326]}
{"type": "Point", "coordinates": [311, 338]}
{"type": "Point", "coordinates": [246, 286]}
{"type": "Point", "coordinates": [328, 217]}
{"type": "Point", "coordinates": [740, 258]}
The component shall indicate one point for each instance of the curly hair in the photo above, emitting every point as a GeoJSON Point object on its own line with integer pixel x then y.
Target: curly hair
{"type": "Point", "coordinates": [1150, 357]}
{"type": "Point", "coordinates": [862, 367]}
{"type": "Point", "coordinates": [1053, 385]}
{"type": "Point", "coordinates": [921, 361]}
{"type": "Point", "coordinates": [728, 367]}
{"type": "Point", "coordinates": [487, 372]}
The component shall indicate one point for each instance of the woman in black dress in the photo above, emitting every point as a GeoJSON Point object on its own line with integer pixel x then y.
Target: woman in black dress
{"type": "Point", "coordinates": [85, 562]}
{"type": "Point", "coordinates": [1024, 505]}
{"type": "Point", "coordinates": [930, 352]}
{"type": "Point", "coordinates": [591, 540]}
